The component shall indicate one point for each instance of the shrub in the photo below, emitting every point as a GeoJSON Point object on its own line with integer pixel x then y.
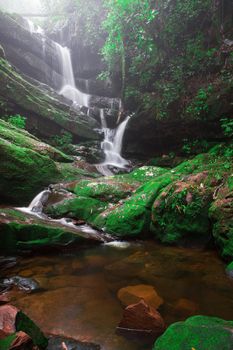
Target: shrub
{"type": "Point", "coordinates": [17, 120]}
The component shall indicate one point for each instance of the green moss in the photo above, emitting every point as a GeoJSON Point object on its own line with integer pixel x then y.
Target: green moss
{"type": "Point", "coordinates": [83, 208]}
{"type": "Point", "coordinates": [199, 333]}
{"type": "Point", "coordinates": [25, 324]}
{"type": "Point", "coordinates": [5, 343]}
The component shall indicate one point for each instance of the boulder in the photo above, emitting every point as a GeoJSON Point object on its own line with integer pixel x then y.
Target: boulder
{"type": "Point", "coordinates": [142, 317]}
{"type": "Point", "coordinates": [133, 294]}
{"type": "Point", "coordinates": [198, 332]}
{"type": "Point", "coordinates": [180, 212]}
{"type": "Point", "coordinates": [25, 233]}
{"type": "Point", "coordinates": [221, 215]}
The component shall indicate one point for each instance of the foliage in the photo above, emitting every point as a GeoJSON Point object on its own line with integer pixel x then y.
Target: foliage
{"type": "Point", "coordinates": [17, 120]}
{"type": "Point", "coordinates": [227, 126]}
{"type": "Point", "coordinates": [199, 105]}
{"type": "Point", "coordinates": [195, 146]}
{"type": "Point", "coordinates": [63, 141]}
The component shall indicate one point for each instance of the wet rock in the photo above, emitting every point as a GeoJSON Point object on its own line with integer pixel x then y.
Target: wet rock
{"type": "Point", "coordinates": [4, 299]}
{"type": "Point", "coordinates": [198, 332]}
{"type": "Point", "coordinates": [23, 283]}
{"type": "Point", "coordinates": [7, 262]}
{"type": "Point", "coordinates": [185, 307]}
{"type": "Point", "coordinates": [25, 233]}
{"type": "Point", "coordinates": [46, 116]}
{"type": "Point", "coordinates": [22, 341]}
{"type": "Point", "coordinates": [133, 294]}
{"type": "Point", "coordinates": [56, 342]}
{"type": "Point", "coordinates": [221, 215]}
{"type": "Point", "coordinates": [141, 317]}
{"type": "Point", "coordinates": [7, 319]}
{"type": "Point", "coordinates": [11, 321]}
{"type": "Point", "coordinates": [182, 209]}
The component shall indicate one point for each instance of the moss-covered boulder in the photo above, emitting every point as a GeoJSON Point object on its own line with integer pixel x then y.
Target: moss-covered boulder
{"type": "Point", "coordinates": [20, 232]}
{"type": "Point", "coordinates": [83, 208]}
{"type": "Point", "coordinates": [181, 210]}
{"type": "Point", "coordinates": [221, 215]}
{"type": "Point", "coordinates": [28, 165]}
{"type": "Point", "coordinates": [199, 333]}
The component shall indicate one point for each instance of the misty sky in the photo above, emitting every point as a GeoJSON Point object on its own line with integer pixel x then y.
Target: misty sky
{"type": "Point", "coordinates": [21, 6]}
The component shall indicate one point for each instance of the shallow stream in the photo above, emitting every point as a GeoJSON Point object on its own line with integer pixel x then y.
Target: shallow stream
{"type": "Point", "coordinates": [79, 289]}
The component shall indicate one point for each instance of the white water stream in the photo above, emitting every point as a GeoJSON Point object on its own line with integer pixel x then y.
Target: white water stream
{"type": "Point", "coordinates": [112, 147]}
{"type": "Point", "coordinates": [36, 206]}
{"type": "Point", "coordinates": [68, 88]}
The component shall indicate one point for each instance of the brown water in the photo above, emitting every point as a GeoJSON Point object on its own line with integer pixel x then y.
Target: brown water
{"type": "Point", "coordinates": [79, 299]}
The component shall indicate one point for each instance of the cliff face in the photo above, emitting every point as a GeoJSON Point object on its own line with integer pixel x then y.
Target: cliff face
{"type": "Point", "coordinates": [46, 115]}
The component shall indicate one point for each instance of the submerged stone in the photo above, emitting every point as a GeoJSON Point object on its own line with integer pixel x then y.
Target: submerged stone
{"type": "Point", "coordinates": [133, 294]}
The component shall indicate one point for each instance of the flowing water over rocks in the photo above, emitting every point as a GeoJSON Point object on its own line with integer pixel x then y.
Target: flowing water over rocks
{"type": "Point", "coordinates": [79, 290]}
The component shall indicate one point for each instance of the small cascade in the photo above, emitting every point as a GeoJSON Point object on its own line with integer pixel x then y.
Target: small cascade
{"type": "Point", "coordinates": [112, 147]}
{"type": "Point", "coordinates": [33, 28]}
{"type": "Point", "coordinates": [68, 88]}
{"type": "Point", "coordinates": [37, 205]}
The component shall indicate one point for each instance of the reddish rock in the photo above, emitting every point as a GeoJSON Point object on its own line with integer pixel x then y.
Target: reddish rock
{"type": "Point", "coordinates": [7, 319]}
{"type": "Point", "coordinates": [22, 341]}
{"type": "Point", "coordinates": [133, 294]}
{"type": "Point", "coordinates": [4, 299]}
{"type": "Point", "coordinates": [140, 316]}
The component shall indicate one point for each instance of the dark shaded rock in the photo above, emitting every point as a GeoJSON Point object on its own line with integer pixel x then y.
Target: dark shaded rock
{"type": "Point", "coordinates": [198, 332]}
{"type": "Point", "coordinates": [97, 87]}
{"type": "Point", "coordinates": [105, 102]}
{"type": "Point", "coordinates": [7, 262]}
{"type": "Point", "coordinates": [28, 52]}
{"type": "Point", "coordinates": [56, 342]}
{"type": "Point", "coordinates": [221, 215]}
{"type": "Point", "coordinates": [4, 299]}
{"type": "Point", "coordinates": [142, 317]}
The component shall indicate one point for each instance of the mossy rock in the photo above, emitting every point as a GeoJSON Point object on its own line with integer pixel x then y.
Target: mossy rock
{"type": "Point", "coordinates": [83, 208]}
{"type": "Point", "coordinates": [105, 189]}
{"type": "Point", "coordinates": [181, 211]}
{"type": "Point", "coordinates": [25, 324]}
{"type": "Point", "coordinates": [131, 217]}
{"type": "Point", "coordinates": [199, 333]}
{"type": "Point", "coordinates": [22, 233]}
{"type": "Point", "coordinates": [221, 215]}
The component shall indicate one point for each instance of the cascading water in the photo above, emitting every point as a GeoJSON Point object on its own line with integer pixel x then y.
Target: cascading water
{"type": "Point", "coordinates": [112, 143]}
{"type": "Point", "coordinates": [33, 28]}
{"type": "Point", "coordinates": [36, 207]}
{"type": "Point", "coordinates": [68, 88]}
{"type": "Point", "coordinates": [112, 147]}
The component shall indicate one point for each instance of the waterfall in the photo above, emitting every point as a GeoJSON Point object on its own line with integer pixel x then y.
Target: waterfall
{"type": "Point", "coordinates": [112, 146]}
{"type": "Point", "coordinates": [33, 28]}
{"type": "Point", "coordinates": [68, 88]}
